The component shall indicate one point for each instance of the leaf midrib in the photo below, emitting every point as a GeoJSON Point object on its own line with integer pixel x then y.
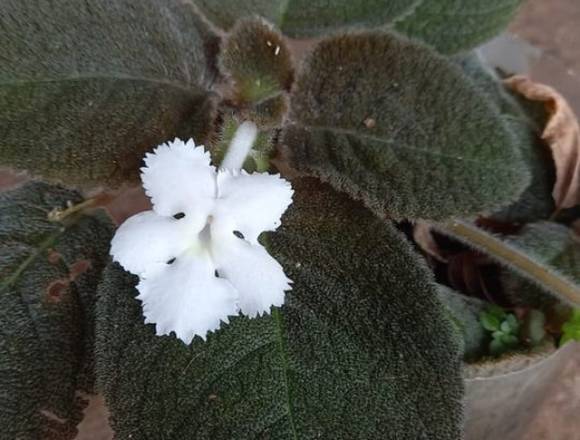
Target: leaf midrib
{"type": "Point", "coordinates": [285, 367]}
{"type": "Point", "coordinates": [42, 247]}
{"type": "Point", "coordinates": [399, 146]}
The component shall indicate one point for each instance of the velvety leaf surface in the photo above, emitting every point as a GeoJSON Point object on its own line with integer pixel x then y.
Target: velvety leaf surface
{"type": "Point", "coordinates": [452, 26]}
{"type": "Point", "coordinates": [398, 126]}
{"type": "Point", "coordinates": [48, 277]}
{"type": "Point", "coordinates": [306, 18]}
{"type": "Point", "coordinates": [362, 348]}
{"type": "Point", "coordinates": [555, 246]}
{"type": "Point", "coordinates": [465, 312]}
{"type": "Point", "coordinates": [86, 87]}
{"type": "Point", "coordinates": [536, 202]}
{"type": "Point", "coordinates": [257, 59]}
{"type": "Point", "coordinates": [255, 56]}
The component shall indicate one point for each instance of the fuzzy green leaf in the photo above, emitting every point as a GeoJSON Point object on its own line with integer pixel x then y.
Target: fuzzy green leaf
{"type": "Point", "coordinates": [361, 349]}
{"type": "Point", "coordinates": [86, 87]}
{"type": "Point", "coordinates": [490, 322]}
{"type": "Point", "coordinates": [465, 312]}
{"type": "Point", "coordinates": [306, 18]}
{"type": "Point", "coordinates": [48, 277]}
{"type": "Point", "coordinates": [453, 26]}
{"type": "Point", "coordinates": [398, 126]}
{"type": "Point", "coordinates": [554, 246]}
{"type": "Point", "coordinates": [257, 59]}
{"type": "Point", "coordinates": [536, 202]}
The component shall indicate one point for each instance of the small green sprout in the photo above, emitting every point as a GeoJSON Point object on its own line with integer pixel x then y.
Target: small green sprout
{"type": "Point", "coordinates": [571, 328]}
{"type": "Point", "coordinates": [504, 328]}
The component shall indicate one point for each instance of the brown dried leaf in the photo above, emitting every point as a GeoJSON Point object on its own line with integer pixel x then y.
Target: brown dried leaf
{"type": "Point", "coordinates": [561, 133]}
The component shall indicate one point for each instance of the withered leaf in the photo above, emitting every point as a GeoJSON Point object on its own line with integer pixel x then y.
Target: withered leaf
{"type": "Point", "coordinates": [561, 134]}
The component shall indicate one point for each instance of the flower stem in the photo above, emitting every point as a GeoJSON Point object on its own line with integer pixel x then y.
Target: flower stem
{"type": "Point", "coordinates": [59, 215]}
{"type": "Point", "coordinates": [240, 146]}
{"type": "Point", "coordinates": [512, 257]}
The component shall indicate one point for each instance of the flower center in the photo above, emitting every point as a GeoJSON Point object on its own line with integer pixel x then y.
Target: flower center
{"type": "Point", "coordinates": [200, 243]}
{"type": "Point", "coordinates": [205, 234]}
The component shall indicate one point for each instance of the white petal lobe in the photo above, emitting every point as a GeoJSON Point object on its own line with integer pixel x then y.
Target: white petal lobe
{"type": "Point", "coordinates": [195, 268]}
{"type": "Point", "coordinates": [186, 298]}
{"type": "Point", "coordinates": [253, 203]}
{"type": "Point", "coordinates": [258, 278]}
{"type": "Point", "coordinates": [179, 179]}
{"type": "Point", "coordinates": [147, 239]}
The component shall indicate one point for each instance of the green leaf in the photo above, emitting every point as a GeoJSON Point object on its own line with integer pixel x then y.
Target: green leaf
{"type": "Point", "coordinates": [490, 322]}
{"type": "Point", "coordinates": [512, 323]}
{"type": "Point", "coordinates": [258, 61]}
{"type": "Point", "coordinates": [399, 127]}
{"type": "Point", "coordinates": [557, 249]}
{"type": "Point", "coordinates": [465, 313]}
{"type": "Point", "coordinates": [571, 328]}
{"type": "Point", "coordinates": [505, 327]}
{"type": "Point", "coordinates": [497, 347]}
{"type": "Point", "coordinates": [48, 277]}
{"type": "Point", "coordinates": [510, 341]}
{"type": "Point", "coordinates": [453, 26]}
{"type": "Point", "coordinates": [306, 18]}
{"type": "Point", "coordinates": [86, 87]}
{"type": "Point", "coordinates": [536, 202]}
{"type": "Point", "coordinates": [361, 349]}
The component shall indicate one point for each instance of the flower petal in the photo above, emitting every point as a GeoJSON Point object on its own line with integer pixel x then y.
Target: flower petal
{"type": "Point", "coordinates": [187, 298]}
{"type": "Point", "coordinates": [258, 278]}
{"type": "Point", "coordinates": [253, 203]}
{"type": "Point", "coordinates": [147, 239]}
{"type": "Point", "coordinates": [179, 179]}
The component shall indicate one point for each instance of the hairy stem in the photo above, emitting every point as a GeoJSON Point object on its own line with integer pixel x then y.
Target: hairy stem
{"type": "Point", "coordinates": [515, 258]}
{"type": "Point", "coordinates": [59, 215]}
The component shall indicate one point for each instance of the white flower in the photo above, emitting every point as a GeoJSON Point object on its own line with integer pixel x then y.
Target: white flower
{"type": "Point", "coordinates": [197, 253]}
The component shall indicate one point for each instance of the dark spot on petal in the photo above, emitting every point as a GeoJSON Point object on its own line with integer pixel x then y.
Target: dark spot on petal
{"type": "Point", "coordinates": [171, 261]}
{"type": "Point", "coordinates": [239, 235]}
{"type": "Point", "coordinates": [216, 273]}
{"type": "Point", "coordinates": [179, 216]}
